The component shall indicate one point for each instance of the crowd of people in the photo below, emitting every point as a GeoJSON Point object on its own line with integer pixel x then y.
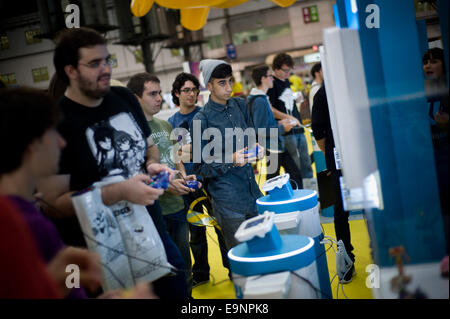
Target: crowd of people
{"type": "Point", "coordinates": [83, 130]}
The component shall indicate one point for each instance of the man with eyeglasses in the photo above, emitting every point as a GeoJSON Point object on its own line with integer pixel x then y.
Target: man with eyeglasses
{"type": "Point", "coordinates": [262, 117]}
{"type": "Point", "coordinates": [91, 106]}
{"type": "Point", "coordinates": [147, 89]}
{"type": "Point", "coordinates": [185, 90]}
{"type": "Point", "coordinates": [284, 107]}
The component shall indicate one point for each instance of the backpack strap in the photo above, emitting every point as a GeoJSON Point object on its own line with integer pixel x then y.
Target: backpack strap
{"type": "Point", "coordinates": [250, 103]}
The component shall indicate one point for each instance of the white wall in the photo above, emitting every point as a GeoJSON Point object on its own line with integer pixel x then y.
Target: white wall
{"type": "Point", "coordinates": [302, 35]}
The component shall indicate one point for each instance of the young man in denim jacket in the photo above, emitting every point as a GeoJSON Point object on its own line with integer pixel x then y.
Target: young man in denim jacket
{"type": "Point", "coordinates": [220, 145]}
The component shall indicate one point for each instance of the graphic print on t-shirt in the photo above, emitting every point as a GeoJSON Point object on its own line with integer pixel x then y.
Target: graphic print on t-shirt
{"type": "Point", "coordinates": [118, 145]}
{"type": "Point", "coordinates": [287, 97]}
{"type": "Point", "coordinates": [165, 146]}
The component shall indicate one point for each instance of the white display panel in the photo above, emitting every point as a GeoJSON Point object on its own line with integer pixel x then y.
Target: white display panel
{"type": "Point", "coordinates": [349, 106]}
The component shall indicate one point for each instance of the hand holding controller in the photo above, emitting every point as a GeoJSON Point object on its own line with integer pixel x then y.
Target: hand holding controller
{"type": "Point", "coordinates": [161, 180]}
{"type": "Point", "coordinates": [253, 152]}
{"type": "Point", "coordinates": [192, 184]}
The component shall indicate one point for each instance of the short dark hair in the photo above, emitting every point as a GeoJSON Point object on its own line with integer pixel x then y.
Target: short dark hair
{"type": "Point", "coordinates": [137, 82]}
{"type": "Point", "coordinates": [258, 73]}
{"type": "Point", "coordinates": [434, 53]}
{"type": "Point", "coordinates": [68, 43]}
{"type": "Point", "coordinates": [25, 115]}
{"type": "Point", "coordinates": [281, 59]}
{"type": "Point", "coordinates": [56, 87]}
{"type": "Point", "coordinates": [221, 72]}
{"type": "Point", "coordinates": [316, 68]}
{"type": "Point", "coordinates": [179, 82]}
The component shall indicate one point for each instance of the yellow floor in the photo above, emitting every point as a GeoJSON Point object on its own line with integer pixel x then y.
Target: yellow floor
{"type": "Point", "coordinates": [220, 287]}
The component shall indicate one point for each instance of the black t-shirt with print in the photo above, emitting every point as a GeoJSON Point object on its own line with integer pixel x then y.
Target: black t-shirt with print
{"type": "Point", "coordinates": [103, 141]}
{"type": "Point", "coordinates": [281, 94]}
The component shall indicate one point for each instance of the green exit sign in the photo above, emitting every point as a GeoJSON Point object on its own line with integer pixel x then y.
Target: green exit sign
{"type": "Point", "coordinates": [310, 14]}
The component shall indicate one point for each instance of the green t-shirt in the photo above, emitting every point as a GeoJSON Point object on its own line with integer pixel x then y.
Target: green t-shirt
{"type": "Point", "coordinates": [161, 130]}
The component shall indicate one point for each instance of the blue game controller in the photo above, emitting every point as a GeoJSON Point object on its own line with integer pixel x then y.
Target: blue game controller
{"type": "Point", "coordinates": [192, 184]}
{"type": "Point", "coordinates": [161, 180]}
{"type": "Point", "coordinates": [253, 152]}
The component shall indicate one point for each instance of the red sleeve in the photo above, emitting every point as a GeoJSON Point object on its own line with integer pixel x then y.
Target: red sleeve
{"type": "Point", "coordinates": [22, 271]}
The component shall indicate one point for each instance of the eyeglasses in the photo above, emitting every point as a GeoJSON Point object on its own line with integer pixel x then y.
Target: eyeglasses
{"type": "Point", "coordinates": [286, 70]}
{"type": "Point", "coordinates": [189, 90]}
{"type": "Point", "coordinates": [99, 63]}
{"type": "Point", "coordinates": [269, 76]}
{"type": "Point", "coordinates": [154, 93]}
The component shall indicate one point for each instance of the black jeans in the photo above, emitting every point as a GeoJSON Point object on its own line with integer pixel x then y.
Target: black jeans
{"type": "Point", "coordinates": [199, 247]}
{"type": "Point", "coordinates": [341, 225]}
{"type": "Point", "coordinates": [285, 160]}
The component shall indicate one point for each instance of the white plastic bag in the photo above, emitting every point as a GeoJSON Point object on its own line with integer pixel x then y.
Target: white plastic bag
{"type": "Point", "coordinates": [103, 236]}
{"type": "Point", "coordinates": [143, 248]}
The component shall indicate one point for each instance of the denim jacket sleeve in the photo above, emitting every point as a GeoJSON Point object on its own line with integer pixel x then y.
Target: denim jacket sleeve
{"type": "Point", "coordinates": [264, 120]}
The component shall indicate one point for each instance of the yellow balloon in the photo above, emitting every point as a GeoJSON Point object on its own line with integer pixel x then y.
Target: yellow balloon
{"type": "Point", "coordinates": [140, 8]}
{"type": "Point", "coordinates": [194, 19]}
{"type": "Point", "coordinates": [194, 13]}
{"type": "Point", "coordinates": [185, 4]}
{"type": "Point", "coordinates": [283, 3]}
{"type": "Point", "coordinates": [230, 3]}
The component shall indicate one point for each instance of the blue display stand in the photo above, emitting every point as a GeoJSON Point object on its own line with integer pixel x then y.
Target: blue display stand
{"type": "Point", "coordinates": [269, 265]}
{"type": "Point", "coordinates": [391, 52]}
{"type": "Point", "coordinates": [295, 252]}
{"type": "Point", "coordinates": [319, 160]}
{"type": "Point", "coordinates": [303, 201]}
{"type": "Point", "coordinates": [443, 7]}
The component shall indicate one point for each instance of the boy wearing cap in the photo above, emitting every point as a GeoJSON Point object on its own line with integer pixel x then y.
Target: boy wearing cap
{"type": "Point", "coordinates": [219, 135]}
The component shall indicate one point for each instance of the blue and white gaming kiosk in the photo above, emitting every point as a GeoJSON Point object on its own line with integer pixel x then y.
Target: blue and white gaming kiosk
{"type": "Point", "coordinates": [269, 265]}
{"type": "Point", "coordinates": [297, 212]}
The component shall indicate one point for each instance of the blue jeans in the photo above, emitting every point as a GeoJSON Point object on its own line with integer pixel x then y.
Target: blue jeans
{"type": "Point", "coordinates": [177, 227]}
{"type": "Point", "coordinates": [297, 147]}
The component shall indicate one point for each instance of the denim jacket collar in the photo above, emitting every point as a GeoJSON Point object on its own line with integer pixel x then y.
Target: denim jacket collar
{"type": "Point", "coordinates": [220, 107]}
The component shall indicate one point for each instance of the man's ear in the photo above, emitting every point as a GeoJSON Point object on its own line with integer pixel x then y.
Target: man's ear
{"type": "Point", "coordinates": [210, 86]}
{"type": "Point", "coordinates": [71, 72]}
